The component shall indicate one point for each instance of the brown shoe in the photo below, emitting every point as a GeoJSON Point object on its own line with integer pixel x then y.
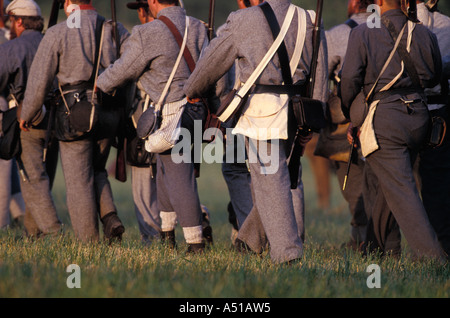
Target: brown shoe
{"type": "Point", "coordinates": [112, 227]}
{"type": "Point", "coordinates": [198, 248]}
{"type": "Point", "coordinates": [168, 239]}
{"type": "Point", "coordinates": [206, 226]}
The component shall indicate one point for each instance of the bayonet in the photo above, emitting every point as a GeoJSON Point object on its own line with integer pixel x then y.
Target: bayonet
{"type": "Point", "coordinates": [121, 168]}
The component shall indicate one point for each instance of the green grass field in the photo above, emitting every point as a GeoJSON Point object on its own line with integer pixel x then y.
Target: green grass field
{"type": "Point", "coordinates": [38, 268]}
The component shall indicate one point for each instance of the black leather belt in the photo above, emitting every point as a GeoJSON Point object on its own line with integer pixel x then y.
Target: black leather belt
{"type": "Point", "coordinates": [398, 91]}
{"type": "Point", "coordinates": [277, 89]}
{"type": "Point", "coordinates": [81, 86]}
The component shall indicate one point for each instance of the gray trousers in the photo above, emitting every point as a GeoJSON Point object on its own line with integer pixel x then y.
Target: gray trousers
{"type": "Point", "coordinates": [11, 200]}
{"type": "Point", "coordinates": [145, 202]}
{"type": "Point", "coordinates": [40, 215]}
{"type": "Point", "coordinates": [237, 178]}
{"type": "Point", "coordinates": [177, 190]}
{"type": "Point", "coordinates": [400, 131]}
{"type": "Point", "coordinates": [5, 191]}
{"type": "Point", "coordinates": [88, 191]}
{"type": "Point", "coordinates": [276, 217]}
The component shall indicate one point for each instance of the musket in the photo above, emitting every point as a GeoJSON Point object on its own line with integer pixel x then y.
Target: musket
{"type": "Point", "coordinates": [51, 118]}
{"type": "Point", "coordinates": [212, 8]}
{"type": "Point", "coordinates": [316, 48]}
{"type": "Point", "coordinates": [350, 156]}
{"type": "Point", "coordinates": [412, 11]}
{"type": "Point", "coordinates": [121, 165]}
{"type": "Point", "coordinates": [53, 19]}
{"type": "Point", "coordinates": [296, 149]}
{"type": "Point", "coordinates": [56, 6]}
{"type": "Point", "coordinates": [409, 8]}
{"type": "Point", "coordinates": [114, 24]}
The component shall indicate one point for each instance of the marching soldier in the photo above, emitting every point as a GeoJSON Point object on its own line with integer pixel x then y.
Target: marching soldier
{"type": "Point", "coordinates": [434, 164]}
{"type": "Point", "coordinates": [238, 181]}
{"type": "Point", "coordinates": [247, 38]}
{"type": "Point", "coordinates": [149, 57]}
{"type": "Point", "coordinates": [17, 56]}
{"type": "Point", "coordinates": [396, 124]}
{"type": "Point", "coordinates": [332, 142]}
{"type": "Point", "coordinates": [142, 163]}
{"type": "Point", "coordinates": [235, 173]}
{"type": "Point", "coordinates": [143, 167]}
{"type": "Point", "coordinates": [68, 53]}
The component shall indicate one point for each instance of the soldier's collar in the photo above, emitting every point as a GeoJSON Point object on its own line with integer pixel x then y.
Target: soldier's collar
{"type": "Point", "coordinates": [86, 7]}
{"type": "Point", "coordinates": [169, 10]}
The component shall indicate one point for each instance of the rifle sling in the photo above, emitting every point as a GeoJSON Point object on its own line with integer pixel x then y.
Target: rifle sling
{"type": "Point", "coordinates": [404, 54]}
{"type": "Point", "coordinates": [351, 23]}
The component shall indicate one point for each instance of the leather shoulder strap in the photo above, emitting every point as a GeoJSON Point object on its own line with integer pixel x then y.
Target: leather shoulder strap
{"type": "Point", "coordinates": [404, 54]}
{"type": "Point", "coordinates": [282, 51]}
{"type": "Point", "coordinates": [178, 37]}
{"type": "Point", "coordinates": [351, 23]}
{"type": "Point", "coordinates": [98, 33]}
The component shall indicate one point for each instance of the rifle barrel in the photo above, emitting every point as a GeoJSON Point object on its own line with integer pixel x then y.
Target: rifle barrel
{"type": "Point", "coordinates": [316, 47]}
{"type": "Point", "coordinates": [54, 13]}
{"type": "Point", "coordinates": [115, 32]}
{"type": "Point", "coordinates": [212, 5]}
{"type": "Point", "coordinates": [412, 11]}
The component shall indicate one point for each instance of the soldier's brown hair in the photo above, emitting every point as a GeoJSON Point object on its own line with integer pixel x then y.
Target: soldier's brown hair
{"type": "Point", "coordinates": [32, 23]}
{"type": "Point", "coordinates": [169, 2]}
{"type": "Point", "coordinates": [81, 1]}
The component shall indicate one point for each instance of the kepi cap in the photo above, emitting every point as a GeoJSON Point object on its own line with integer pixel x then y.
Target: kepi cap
{"type": "Point", "coordinates": [137, 4]}
{"type": "Point", "coordinates": [24, 8]}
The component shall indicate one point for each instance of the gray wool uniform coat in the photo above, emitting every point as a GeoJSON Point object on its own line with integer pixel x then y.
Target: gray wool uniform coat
{"type": "Point", "coordinates": [149, 56]}
{"type": "Point", "coordinates": [246, 37]}
{"type": "Point", "coordinates": [67, 54]}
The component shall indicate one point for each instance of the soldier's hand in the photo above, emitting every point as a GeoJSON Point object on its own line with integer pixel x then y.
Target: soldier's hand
{"type": "Point", "coordinates": [193, 100]}
{"type": "Point", "coordinates": [24, 126]}
{"type": "Point", "coordinates": [303, 141]}
{"type": "Point", "coordinates": [350, 134]}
